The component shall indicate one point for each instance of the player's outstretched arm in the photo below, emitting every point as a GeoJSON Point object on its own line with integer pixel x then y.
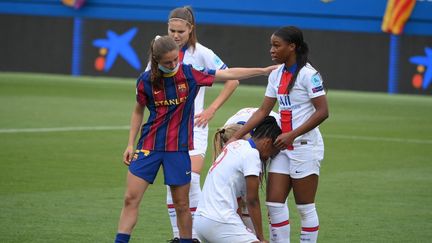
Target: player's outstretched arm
{"type": "Point", "coordinates": [242, 73]}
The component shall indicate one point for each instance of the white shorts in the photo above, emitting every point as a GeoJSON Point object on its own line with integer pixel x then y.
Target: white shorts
{"type": "Point", "coordinates": [212, 231]}
{"type": "Point", "coordinates": [304, 160]}
{"type": "Point", "coordinates": [200, 141]}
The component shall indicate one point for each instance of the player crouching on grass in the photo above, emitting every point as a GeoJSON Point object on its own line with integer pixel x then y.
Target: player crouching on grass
{"type": "Point", "coordinates": [237, 169]}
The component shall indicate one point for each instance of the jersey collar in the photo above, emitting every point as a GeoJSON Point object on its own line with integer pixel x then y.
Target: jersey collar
{"type": "Point", "coordinates": [290, 69]}
{"type": "Point", "coordinates": [252, 143]}
{"type": "Point", "coordinates": [184, 48]}
{"type": "Point", "coordinates": [169, 75]}
{"type": "Point", "coordinates": [182, 52]}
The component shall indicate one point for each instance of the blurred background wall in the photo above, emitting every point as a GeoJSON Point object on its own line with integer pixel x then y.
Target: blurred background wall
{"type": "Point", "coordinates": [111, 38]}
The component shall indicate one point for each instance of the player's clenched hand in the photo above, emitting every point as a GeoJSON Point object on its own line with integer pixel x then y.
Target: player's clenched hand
{"type": "Point", "coordinates": [128, 155]}
{"type": "Point", "coordinates": [283, 140]}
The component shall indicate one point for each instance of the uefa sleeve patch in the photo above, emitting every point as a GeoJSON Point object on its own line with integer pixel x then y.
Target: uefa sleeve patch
{"type": "Point", "coordinates": [316, 80]}
{"type": "Point", "coordinates": [217, 61]}
{"type": "Point", "coordinates": [317, 89]}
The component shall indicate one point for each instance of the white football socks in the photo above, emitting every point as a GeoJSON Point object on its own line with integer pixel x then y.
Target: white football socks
{"type": "Point", "coordinates": [194, 196]}
{"type": "Point", "coordinates": [279, 222]}
{"type": "Point", "coordinates": [309, 223]}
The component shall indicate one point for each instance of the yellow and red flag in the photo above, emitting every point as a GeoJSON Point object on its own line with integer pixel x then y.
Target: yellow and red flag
{"type": "Point", "coordinates": [396, 15]}
{"type": "Point", "coordinates": [76, 4]}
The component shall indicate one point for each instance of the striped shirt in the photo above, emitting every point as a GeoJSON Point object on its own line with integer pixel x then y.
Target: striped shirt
{"type": "Point", "coordinates": [170, 123]}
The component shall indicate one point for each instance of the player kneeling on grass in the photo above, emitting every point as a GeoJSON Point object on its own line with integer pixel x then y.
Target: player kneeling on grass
{"type": "Point", "coordinates": [238, 168]}
{"type": "Point", "coordinates": [221, 137]}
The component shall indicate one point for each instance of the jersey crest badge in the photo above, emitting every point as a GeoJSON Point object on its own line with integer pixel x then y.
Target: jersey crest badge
{"type": "Point", "coordinates": [181, 88]}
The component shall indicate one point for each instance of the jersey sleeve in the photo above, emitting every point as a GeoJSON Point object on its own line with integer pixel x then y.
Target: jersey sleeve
{"type": "Point", "coordinates": [140, 94]}
{"type": "Point", "coordinates": [271, 90]}
{"type": "Point", "coordinates": [251, 163]}
{"type": "Point", "coordinates": [203, 76]}
{"type": "Point", "coordinates": [313, 84]}
{"type": "Point", "coordinates": [211, 60]}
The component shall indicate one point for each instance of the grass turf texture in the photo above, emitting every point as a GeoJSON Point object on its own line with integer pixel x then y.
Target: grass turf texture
{"type": "Point", "coordinates": [67, 186]}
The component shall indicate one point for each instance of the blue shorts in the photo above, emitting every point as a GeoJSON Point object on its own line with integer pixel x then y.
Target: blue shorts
{"type": "Point", "coordinates": [176, 166]}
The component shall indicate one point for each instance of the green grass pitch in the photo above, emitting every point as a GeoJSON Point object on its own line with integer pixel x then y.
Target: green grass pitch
{"type": "Point", "coordinates": [62, 179]}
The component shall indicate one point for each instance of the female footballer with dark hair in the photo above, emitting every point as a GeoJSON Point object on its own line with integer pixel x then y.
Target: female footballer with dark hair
{"type": "Point", "coordinates": [299, 90]}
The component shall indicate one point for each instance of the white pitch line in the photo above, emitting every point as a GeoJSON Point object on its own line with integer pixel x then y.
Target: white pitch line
{"type": "Point", "coordinates": [111, 128]}
{"type": "Point", "coordinates": [63, 129]}
{"type": "Point", "coordinates": [384, 139]}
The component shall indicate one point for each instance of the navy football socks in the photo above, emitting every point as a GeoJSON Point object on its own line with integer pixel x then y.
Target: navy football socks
{"type": "Point", "coordinates": [122, 238]}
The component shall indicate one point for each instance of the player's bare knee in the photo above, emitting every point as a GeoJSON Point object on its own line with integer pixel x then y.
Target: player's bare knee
{"type": "Point", "coordinates": [182, 206]}
{"type": "Point", "coordinates": [131, 200]}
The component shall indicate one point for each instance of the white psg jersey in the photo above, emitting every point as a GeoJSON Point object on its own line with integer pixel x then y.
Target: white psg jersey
{"type": "Point", "coordinates": [243, 115]}
{"type": "Point", "coordinates": [297, 103]}
{"type": "Point", "coordinates": [202, 57]}
{"type": "Point", "coordinates": [225, 181]}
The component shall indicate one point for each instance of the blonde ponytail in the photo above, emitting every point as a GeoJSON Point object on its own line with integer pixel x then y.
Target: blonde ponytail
{"type": "Point", "coordinates": [222, 135]}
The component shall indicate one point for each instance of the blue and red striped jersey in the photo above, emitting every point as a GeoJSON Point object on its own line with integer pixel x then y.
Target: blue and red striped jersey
{"type": "Point", "coordinates": [170, 123]}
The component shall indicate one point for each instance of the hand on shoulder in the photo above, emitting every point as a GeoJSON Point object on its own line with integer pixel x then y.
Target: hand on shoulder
{"type": "Point", "coordinates": [269, 69]}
